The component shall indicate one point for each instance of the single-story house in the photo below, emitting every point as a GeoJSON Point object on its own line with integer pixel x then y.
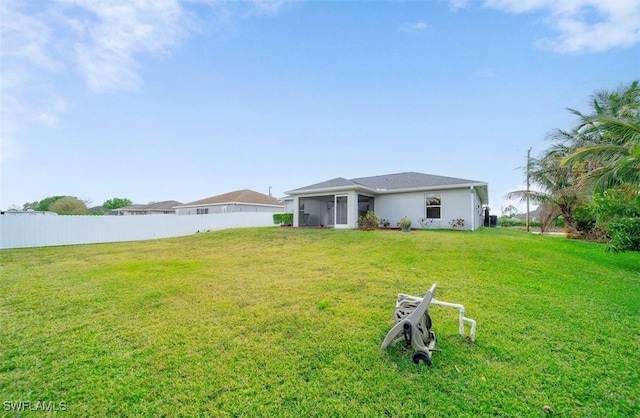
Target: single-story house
{"type": "Point", "coordinates": [237, 201]}
{"type": "Point", "coordinates": [165, 208]}
{"type": "Point", "coordinates": [427, 200]}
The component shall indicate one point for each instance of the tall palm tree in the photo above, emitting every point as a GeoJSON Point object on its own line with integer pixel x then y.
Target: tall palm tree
{"type": "Point", "coordinates": [609, 140]}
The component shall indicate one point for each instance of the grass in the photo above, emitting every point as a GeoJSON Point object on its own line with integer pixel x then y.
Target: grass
{"type": "Point", "coordinates": [288, 322]}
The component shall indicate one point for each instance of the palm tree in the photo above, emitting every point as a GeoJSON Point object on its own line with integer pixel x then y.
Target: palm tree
{"type": "Point", "coordinates": [556, 192]}
{"type": "Point", "coordinates": [609, 141]}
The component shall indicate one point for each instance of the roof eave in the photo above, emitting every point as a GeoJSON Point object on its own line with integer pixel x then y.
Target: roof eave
{"type": "Point", "coordinates": [298, 192]}
{"type": "Point", "coordinates": [385, 191]}
{"type": "Point", "coordinates": [429, 188]}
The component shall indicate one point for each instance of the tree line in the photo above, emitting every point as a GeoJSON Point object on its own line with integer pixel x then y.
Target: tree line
{"type": "Point", "coordinates": [71, 205]}
{"type": "Point", "coordinates": [590, 175]}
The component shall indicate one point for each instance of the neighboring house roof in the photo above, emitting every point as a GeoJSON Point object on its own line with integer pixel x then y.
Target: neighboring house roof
{"type": "Point", "coordinates": [391, 183]}
{"type": "Point", "coordinates": [237, 196]}
{"type": "Point", "coordinates": [98, 209]}
{"type": "Point", "coordinates": [135, 206]}
{"type": "Point", "coordinates": [167, 205]}
{"type": "Point", "coordinates": [534, 214]}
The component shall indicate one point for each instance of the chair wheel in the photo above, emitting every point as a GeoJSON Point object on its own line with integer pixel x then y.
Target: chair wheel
{"type": "Point", "coordinates": [419, 355]}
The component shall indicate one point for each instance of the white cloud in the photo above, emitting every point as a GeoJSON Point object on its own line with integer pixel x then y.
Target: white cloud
{"type": "Point", "coordinates": [28, 49]}
{"type": "Point", "coordinates": [269, 7]}
{"type": "Point", "coordinates": [458, 4]}
{"type": "Point", "coordinates": [582, 25]}
{"type": "Point", "coordinates": [25, 38]}
{"type": "Point", "coordinates": [102, 41]}
{"type": "Point", "coordinates": [110, 36]}
{"type": "Point", "coordinates": [413, 26]}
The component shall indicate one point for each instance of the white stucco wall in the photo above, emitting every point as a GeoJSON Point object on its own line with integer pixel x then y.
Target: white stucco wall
{"type": "Point", "coordinates": [289, 206]}
{"type": "Point", "coordinates": [394, 207]}
{"type": "Point", "coordinates": [455, 204]}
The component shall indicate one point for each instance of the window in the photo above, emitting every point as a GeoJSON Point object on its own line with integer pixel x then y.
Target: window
{"type": "Point", "coordinates": [365, 204]}
{"type": "Point", "coordinates": [202, 211]}
{"type": "Point", "coordinates": [433, 206]}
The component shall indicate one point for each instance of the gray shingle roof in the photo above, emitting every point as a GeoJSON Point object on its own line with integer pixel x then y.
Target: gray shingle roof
{"type": "Point", "coordinates": [389, 182]}
{"type": "Point", "coordinates": [410, 180]}
{"type": "Point", "coordinates": [337, 182]}
{"type": "Point", "coordinates": [166, 205]}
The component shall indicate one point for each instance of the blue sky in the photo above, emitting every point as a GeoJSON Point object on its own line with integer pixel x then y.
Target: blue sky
{"type": "Point", "coordinates": [182, 100]}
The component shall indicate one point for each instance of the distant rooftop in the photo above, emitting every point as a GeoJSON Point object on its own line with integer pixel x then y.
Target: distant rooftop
{"type": "Point", "coordinates": [237, 196]}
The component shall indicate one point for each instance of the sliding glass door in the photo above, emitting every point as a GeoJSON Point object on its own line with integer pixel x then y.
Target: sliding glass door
{"type": "Point", "coordinates": [342, 204]}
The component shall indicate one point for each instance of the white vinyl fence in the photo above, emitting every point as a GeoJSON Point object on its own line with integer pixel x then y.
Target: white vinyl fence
{"type": "Point", "coordinates": [21, 231]}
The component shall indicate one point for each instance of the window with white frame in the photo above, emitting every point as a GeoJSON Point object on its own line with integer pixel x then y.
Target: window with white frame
{"type": "Point", "coordinates": [433, 206]}
{"type": "Point", "coordinates": [202, 211]}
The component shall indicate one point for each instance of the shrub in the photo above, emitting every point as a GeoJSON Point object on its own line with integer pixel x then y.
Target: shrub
{"type": "Point", "coordinates": [283, 218]}
{"type": "Point", "coordinates": [586, 223]}
{"type": "Point", "coordinates": [425, 222]}
{"type": "Point", "coordinates": [617, 212]}
{"type": "Point", "coordinates": [625, 235]}
{"type": "Point", "coordinates": [384, 223]}
{"type": "Point", "coordinates": [584, 219]}
{"type": "Point", "coordinates": [509, 222]}
{"type": "Point", "coordinates": [405, 223]}
{"type": "Point", "coordinates": [369, 221]}
{"type": "Point", "coordinates": [456, 223]}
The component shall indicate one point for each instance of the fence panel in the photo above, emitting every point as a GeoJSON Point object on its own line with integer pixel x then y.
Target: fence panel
{"type": "Point", "coordinates": [22, 231]}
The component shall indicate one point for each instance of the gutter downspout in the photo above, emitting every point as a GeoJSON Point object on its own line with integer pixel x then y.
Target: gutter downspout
{"type": "Point", "coordinates": [473, 206]}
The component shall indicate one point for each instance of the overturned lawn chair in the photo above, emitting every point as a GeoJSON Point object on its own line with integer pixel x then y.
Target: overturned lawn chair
{"type": "Point", "coordinates": [413, 324]}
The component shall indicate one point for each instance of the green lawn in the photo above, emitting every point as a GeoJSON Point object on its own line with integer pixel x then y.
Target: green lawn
{"type": "Point", "coordinates": [289, 322]}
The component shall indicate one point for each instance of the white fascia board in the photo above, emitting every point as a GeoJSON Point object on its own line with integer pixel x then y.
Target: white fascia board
{"type": "Point", "coordinates": [329, 190]}
{"type": "Point", "coordinates": [431, 188]}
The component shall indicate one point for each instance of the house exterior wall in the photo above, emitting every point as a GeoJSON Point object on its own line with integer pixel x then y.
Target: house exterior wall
{"type": "Point", "coordinates": [394, 207]}
{"type": "Point", "coordinates": [455, 204]}
{"type": "Point", "coordinates": [289, 206]}
{"type": "Point", "coordinates": [476, 210]}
